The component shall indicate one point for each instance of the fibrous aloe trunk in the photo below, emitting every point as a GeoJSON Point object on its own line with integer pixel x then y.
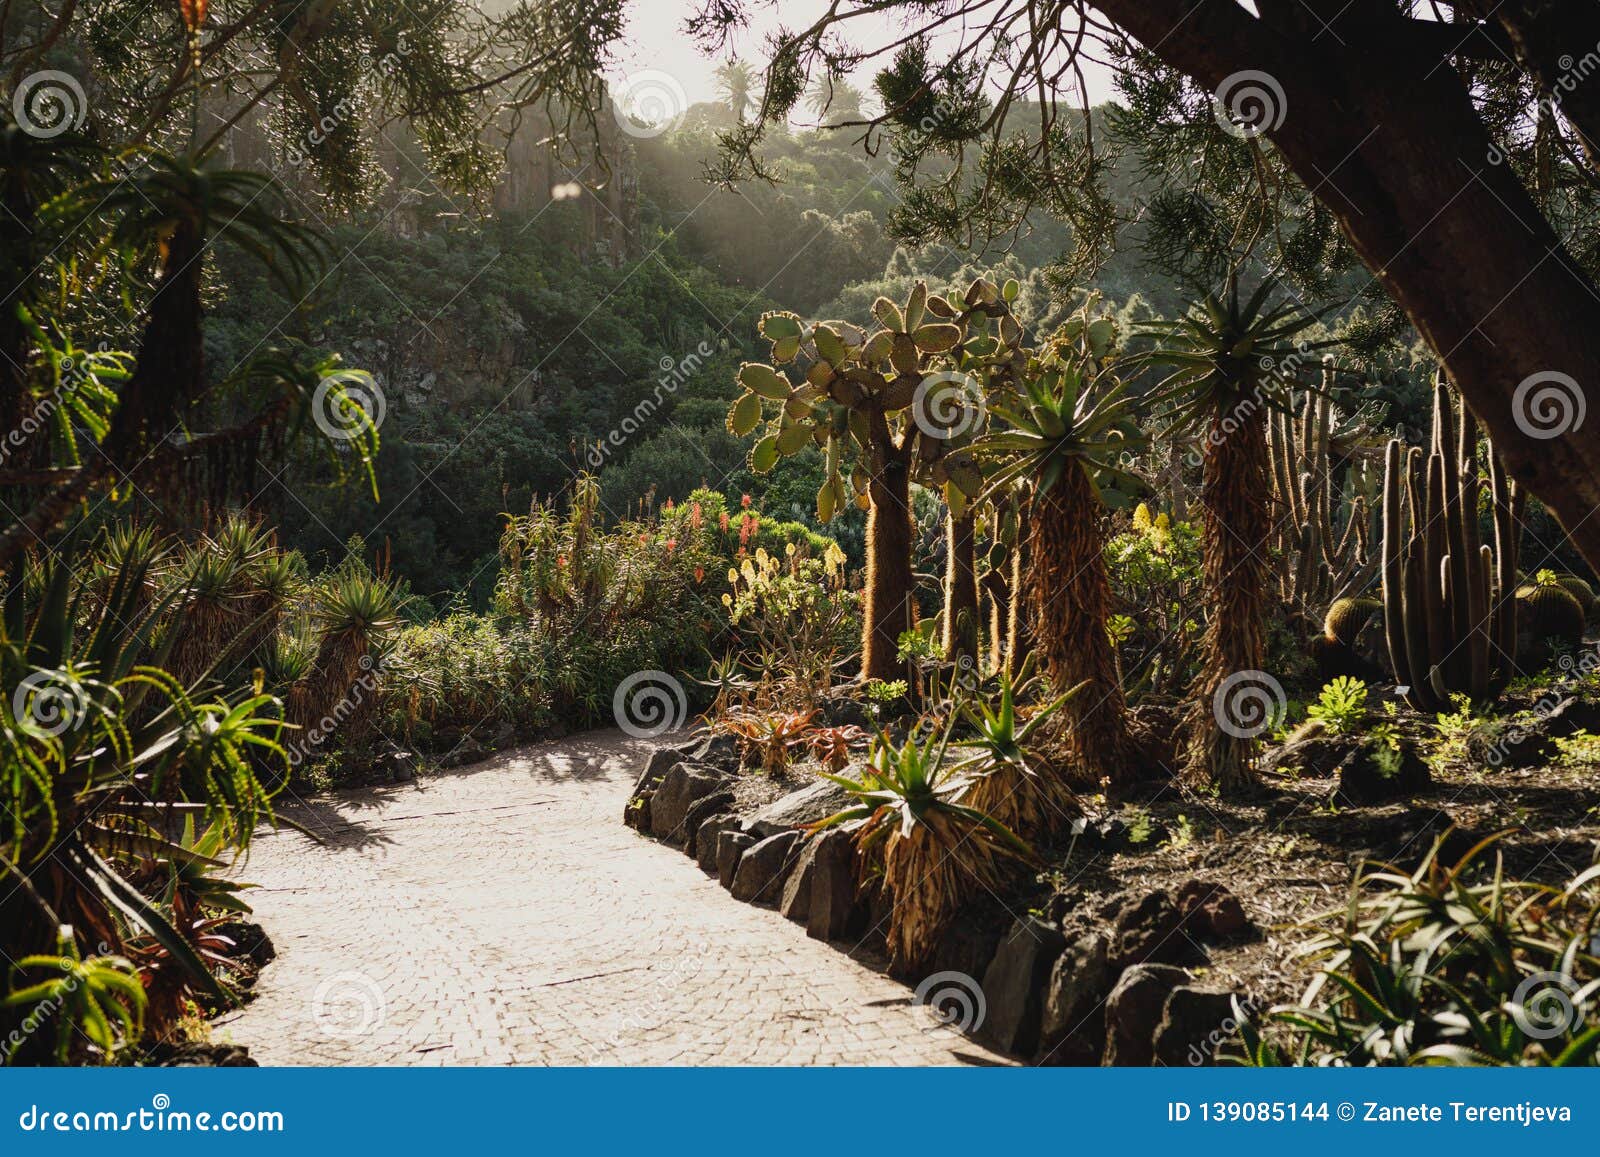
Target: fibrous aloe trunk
{"type": "Point", "coordinates": [961, 587]}
{"type": "Point", "coordinates": [1071, 597]}
{"type": "Point", "coordinates": [1237, 524]}
{"type": "Point", "coordinates": [889, 609]}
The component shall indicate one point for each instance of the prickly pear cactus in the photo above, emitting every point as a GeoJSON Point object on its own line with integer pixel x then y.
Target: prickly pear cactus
{"type": "Point", "coordinates": [908, 388]}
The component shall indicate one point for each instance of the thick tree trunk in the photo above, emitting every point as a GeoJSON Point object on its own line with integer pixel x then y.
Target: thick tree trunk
{"type": "Point", "coordinates": [1233, 698]}
{"type": "Point", "coordinates": [1391, 144]}
{"type": "Point", "coordinates": [1071, 598]}
{"type": "Point", "coordinates": [961, 587]}
{"type": "Point", "coordinates": [889, 609]}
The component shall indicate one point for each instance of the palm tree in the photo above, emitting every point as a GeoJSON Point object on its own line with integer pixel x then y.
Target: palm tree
{"type": "Point", "coordinates": [737, 84]}
{"type": "Point", "coordinates": [1066, 433]}
{"type": "Point", "coordinates": [1229, 357]}
{"type": "Point", "coordinates": [835, 96]}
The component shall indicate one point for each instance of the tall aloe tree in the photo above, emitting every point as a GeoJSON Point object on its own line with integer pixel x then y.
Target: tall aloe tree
{"type": "Point", "coordinates": [1067, 430]}
{"type": "Point", "coordinates": [1229, 357]}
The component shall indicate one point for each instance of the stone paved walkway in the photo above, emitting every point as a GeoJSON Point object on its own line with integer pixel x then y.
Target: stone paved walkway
{"type": "Point", "coordinates": [501, 914]}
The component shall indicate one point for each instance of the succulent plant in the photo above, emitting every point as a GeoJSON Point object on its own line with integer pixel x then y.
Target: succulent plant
{"type": "Point", "coordinates": [1326, 518]}
{"type": "Point", "coordinates": [1550, 617]}
{"type": "Point", "coordinates": [1449, 617]}
{"type": "Point", "coordinates": [885, 407]}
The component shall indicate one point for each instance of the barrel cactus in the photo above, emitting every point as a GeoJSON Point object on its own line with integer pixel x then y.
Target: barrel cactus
{"type": "Point", "coordinates": [1551, 621]}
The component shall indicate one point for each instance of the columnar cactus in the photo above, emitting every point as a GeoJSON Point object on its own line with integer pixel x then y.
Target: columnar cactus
{"type": "Point", "coordinates": [887, 407]}
{"type": "Point", "coordinates": [1325, 520]}
{"type": "Point", "coordinates": [1450, 612]}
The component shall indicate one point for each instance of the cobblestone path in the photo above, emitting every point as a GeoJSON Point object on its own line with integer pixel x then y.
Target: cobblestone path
{"type": "Point", "coordinates": [501, 914]}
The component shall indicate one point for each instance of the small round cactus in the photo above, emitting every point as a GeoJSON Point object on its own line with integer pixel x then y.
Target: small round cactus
{"type": "Point", "coordinates": [1347, 618]}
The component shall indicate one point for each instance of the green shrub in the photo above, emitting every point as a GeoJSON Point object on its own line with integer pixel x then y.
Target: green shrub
{"type": "Point", "coordinates": [1448, 966]}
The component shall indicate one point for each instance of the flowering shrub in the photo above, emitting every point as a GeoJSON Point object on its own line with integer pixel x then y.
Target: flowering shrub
{"type": "Point", "coordinates": [795, 614]}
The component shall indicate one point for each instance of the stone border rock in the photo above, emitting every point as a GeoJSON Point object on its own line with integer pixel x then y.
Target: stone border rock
{"type": "Point", "coordinates": [1119, 994]}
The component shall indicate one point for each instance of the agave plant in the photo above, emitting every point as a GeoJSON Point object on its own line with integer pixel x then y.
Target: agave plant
{"type": "Point", "coordinates": [1063, 443]}
{"type": "Point", "coordinates": [1447, 965]}
{"type": "Point", "coordinates": [105, 748]}
{"type": "Point", "coordinates": [935, 850]}
{"type": "Point", "coordinates": [99, 997]}
{"type": "Point", "coordinates": [1228, 358]}
{"type": "Point", "coordinates": [355, 615]}
{"type": "Point", "coordinates": [1005, 780]}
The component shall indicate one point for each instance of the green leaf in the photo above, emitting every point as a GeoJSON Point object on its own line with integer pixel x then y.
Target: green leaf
{"type": "Point", "coordinates": [764, 456]}
{"type": "Point", "coordinates": [745, 414]}
{"type": "Point", "coordinates": [888, 315]}
{"type": "Point", "coordinates": [937, 337]}
{"type": "Point", "coordinates": [764, 380]}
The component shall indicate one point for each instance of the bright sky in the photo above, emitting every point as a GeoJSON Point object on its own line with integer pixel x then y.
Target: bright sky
{"type": "Point", "coordinates": [656, 41]}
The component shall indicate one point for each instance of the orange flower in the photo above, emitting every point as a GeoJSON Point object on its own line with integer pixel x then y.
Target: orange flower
{"type": "Point", "coordinates": [724, 522]}
{"type": "Point", "coordinates": [694, 516]}
{"type": "Point", "coordinates": [699, 574]}
{"type": "Point", "coordinates": [672, 545]}
{"type": "Point", "coordinates": [745, 502]}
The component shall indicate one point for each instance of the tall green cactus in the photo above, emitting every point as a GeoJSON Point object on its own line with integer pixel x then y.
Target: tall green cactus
{"type": "Point", "coordinates": [1324, 490]}
{"type": "Point", "coordinates": [1450, 613]}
